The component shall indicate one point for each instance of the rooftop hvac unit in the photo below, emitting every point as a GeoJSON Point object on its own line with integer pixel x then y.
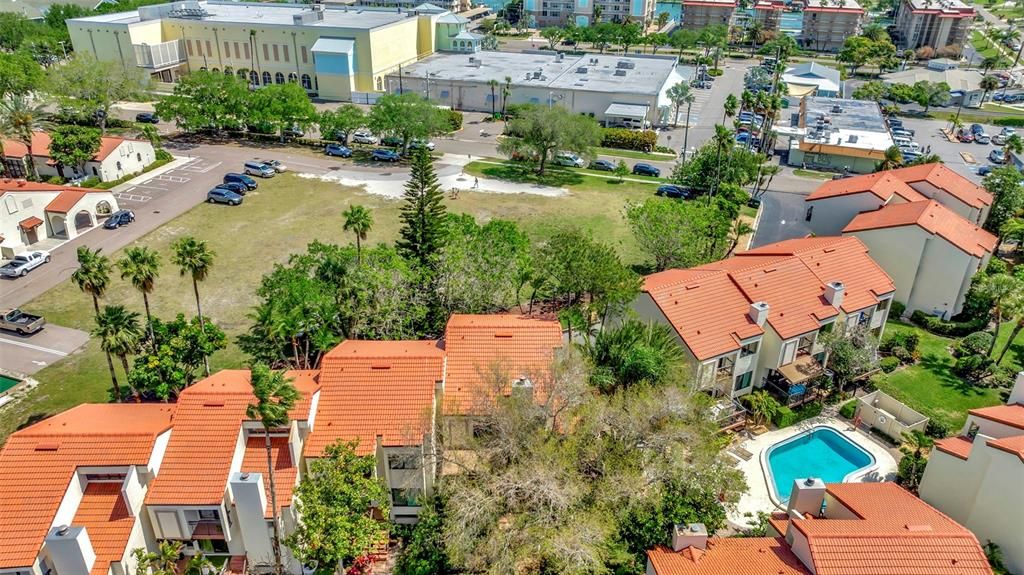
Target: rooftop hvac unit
{"type": "Point", "coordinates": [478, 62]}
{"type": "Point", "coordinates": [620, 72]}
{"type": "Point", "coordinates": [581, 70]}
{"type": "Point", "coordinates": [625, 65]}
{"type": "Point", "coordinates": [837, 109]}
{"type": "Point", "coordinates": [559, 57]}
{"type": "Point", "coordinates": [593, 61]}
{"type": "Point", "coordinates": [536, 74]}
{"type": "Point", "coordinates": [852, 139]}
{"type": "Point", "coordinates": [472, 59]}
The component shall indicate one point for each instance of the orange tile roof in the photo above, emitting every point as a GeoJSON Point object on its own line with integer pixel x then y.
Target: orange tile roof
{"type": "Point", "coordinates": [65, 200]}
{"type": "Point", "coordinates": [207, 423]}
{"type": "Point", "coordinates": [38, 462]}
{"type": "Point", "coordinates": [884, 185]}
{"type": "Point", "coordinates": [105, 516]}
{"type": "Point", "coordinates": [376, 388]}
{"type": "Point", "coordinates": [31, 223]}
{"type": "Point", "coordinates": [732, 556]}
{"type": "Point", "coordinates": [285, 470]}
{"type": "Point", "coordinates": [948, 180]}
{"type": "Point", "coordinates": [476, 345]}
{"type": "Point", "coordinates": [1012, 415]}
{"type": "Point", "coordinates": [956, 446]}
{"type": "Point", "coordinates": [41, 147]}
{"type": "Point", "coordinates": [934, 218]}
{"type": "Point", "coordinates": [13, 185]}
{"type": "Point", "coordinates": [1014, 445]}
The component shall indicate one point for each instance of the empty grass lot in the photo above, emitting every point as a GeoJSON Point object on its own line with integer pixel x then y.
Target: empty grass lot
{"type": "Point", "coordinates": [931, 387]}
{"type": "Point", "coordinates": [281, 218]}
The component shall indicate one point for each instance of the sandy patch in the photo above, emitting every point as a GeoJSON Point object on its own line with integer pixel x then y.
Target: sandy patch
{"type": "Point", "coordinates": [392, 185]}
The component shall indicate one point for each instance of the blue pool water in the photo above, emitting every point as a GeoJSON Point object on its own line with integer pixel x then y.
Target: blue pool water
{"type": "Point", "coordinates": [820, 452]}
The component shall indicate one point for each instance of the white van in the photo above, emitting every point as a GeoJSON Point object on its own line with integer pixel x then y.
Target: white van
{"type": "Point", "coordinates": [901, 141]}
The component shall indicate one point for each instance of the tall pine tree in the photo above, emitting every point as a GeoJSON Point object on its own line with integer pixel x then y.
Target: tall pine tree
{"type": "Point", "coordinates": [423, 215]}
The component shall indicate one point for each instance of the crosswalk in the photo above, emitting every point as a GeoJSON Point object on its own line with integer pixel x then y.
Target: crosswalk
{"type": "Point", "coordinates": [700, 98]}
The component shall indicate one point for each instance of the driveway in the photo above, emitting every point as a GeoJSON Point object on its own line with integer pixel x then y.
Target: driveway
{"type": "Point", "coordinates": [965, 159]}
{"type": "Point", "coordinates": [26, 355]}
{"type": "Point", "coordinates": [782, 218]}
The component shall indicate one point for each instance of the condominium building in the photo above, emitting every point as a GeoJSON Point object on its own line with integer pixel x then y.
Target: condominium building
{"type": "Point", "coordinates": [976, 477]}
{"type": "Point", "coordinates": [934, 23]}
{"type": "Point", "coordinates": [768, 14]}
{"type": "Point", "coordinates": [332, 51]}
{"type": "Point", "coordinates": [585, 12]}
{"type": "Point", "coordinates": [698, 14]}
{"type": "Point", "coordinates": [828, 23]}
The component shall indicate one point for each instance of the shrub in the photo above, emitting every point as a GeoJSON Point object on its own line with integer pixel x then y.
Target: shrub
{"type": "Point", "coordinates": [91, 182]}
{"type": "Point", "coordinates": [716, 72]}
{"type": "Point", "coordinates": [164, 155]}
{"type": "Point", "coordinates": [849, 409]}
{"type": "Point", "coordinates": [972, 367]}
{"type": "Point", "coordinates": [626, 139]}
{"type": "Point", "coordinates": [664, 150]}
{"type": "Point", "coordinates": [996, 266]}
{"type": "Point", "coordinates": [1016, 122]}
{"type": "Point", "coordinates": [55, 180]}
{"type": "Point", "coordinates": [976, 343]}
{"type": "Point", "coordinates": [977, 305]}
{"type": "Point", "coordinates": [808, 410]}
{"type": "Point", "coordinates": [908, 341]}
{"type": "Point", "coordinates": [454, 120]}
{"type": "Point", "coordinates": [897, 309]}
{"type": "Point", "coordinates": [936, 429]}
{"type": "Point", "coordinates": [947, 328]}
{"type": "Point", "coordinates": [784, 417]}
{"type": "Point", "coordinates": [910, 471]}
{"type": "Point", "coordinates": [889, 364]}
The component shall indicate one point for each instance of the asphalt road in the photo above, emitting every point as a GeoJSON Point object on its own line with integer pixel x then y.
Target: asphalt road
{"type": "Point", "coordinates": [28, 354]}
{"type": "Point", "coordinates": [782, 218]}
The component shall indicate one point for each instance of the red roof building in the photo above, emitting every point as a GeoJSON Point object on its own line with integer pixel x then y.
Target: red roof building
{"type": "Point", "coordinates": [115, 157]}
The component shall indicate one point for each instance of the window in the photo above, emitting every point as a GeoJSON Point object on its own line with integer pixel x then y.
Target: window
{"type": "Point", "coordinates": [882, 305]}
{"type": "Point", "coordinates": [276, 59]}
{"type": "Point", "coordinates": [287, 58]}
{"type": "Point", "coordinates": [254, 78]}
{"type": "Point", "coordinates": [266, 78]}
{"type": "Point", "coordinates": [104, 476]}
{"type": "Point", "coordinates": [743, 381]}
{"type": "Point", "coordinates": [408, 497]}
{"type": "Point", "coordinates": [215, 70]}
{"type": "Point", "coordinates": [188, 47]}
{"type": "Point", "coordinates": [809, 214]}
{"type": "Point", "coordinates": [266, 53]}
{"type": "Point", "coordinates": [404, 461]}
{"type": "Point", "coordinates": [138, 157]}
{"type": "Point", "coordinates": [11, 204]}
{"type": "Point", "coordinates": [209, 515]}
{"type": "Point", "coordinates": [227, 49]}
{"type": "Point", "coordinates": [827, 328]}
{"type": "Point", "coordinates": [237, 57]}
{"type": "Point", "coordinates": [305, 57]}
{"type": "Point", "coordinates": [292, 78]}
{"type": "Point", "coordinates": [749, 349]}
{"type": "Point", "coordinates": [199, 48]}
{"type": "Point", "coordinates": [119, 166]}
{"type": "Point", "coordinates": [725, 364]}
{"type": "Point", "coordinates": [279, 78]}
{"type": "Point", "coordinates": [247, 53]}
{"type": "Point", "coordinates": [306, 83]}
{"type": "Point", "coordinates": [209, 49]}
{"type": "Point", "coordinates": [445, 93]}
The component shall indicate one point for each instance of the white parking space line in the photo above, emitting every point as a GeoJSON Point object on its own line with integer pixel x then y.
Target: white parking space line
{"type": "Point", "coordinates": [199, 167]}
{"type": "Point", "coordinates": [132, 197]}
{"type": "Point", "coordinates": [175, 179]}
{"type": "Point", "coordinates": [56, 352]}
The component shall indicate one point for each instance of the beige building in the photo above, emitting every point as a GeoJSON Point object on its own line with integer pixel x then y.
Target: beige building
{"type": "Point", "coordinates": [31, 212]}
{"type": "Point", "coordinates": [768, 13]}
{"type": "Point", "coordinates": [581, 12]}
{"type": "Point", "coordinates": [976, 478]}
{"type": "Point", "coordinates": [934, 23]}
{"type": "Point", "coordinates": [698, 14]}
{"type": "Point", "coordinates": [332, 52]}
{"type": "Point", "coordinates": [828, 23]}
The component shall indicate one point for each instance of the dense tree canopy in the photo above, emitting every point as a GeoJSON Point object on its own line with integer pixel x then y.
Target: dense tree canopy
{"type": "Point", "coordinates": [204, 100]}
{"type": "Point", "coordinates": [540, 132]}
{"type": "Point", "coordinates": [86, 86]}
{"type": "Point", "coordinates": [679, 234]}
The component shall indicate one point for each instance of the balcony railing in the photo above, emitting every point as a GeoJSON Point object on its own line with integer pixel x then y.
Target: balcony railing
{"type": "Point", "coordinates": [206, 529]}
{"type": "Point", "coordinates": [159, 56]}
{"type": "Point", "coordinates": [728, 414]}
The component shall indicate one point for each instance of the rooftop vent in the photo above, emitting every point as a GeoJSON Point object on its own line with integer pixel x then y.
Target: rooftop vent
{"type": "Point", "coordinates": [837, 109]}
{"type": "Point", "coordinates": [625, 65]}
{"type": "Point", "coordinates": [581, 70]}
{"type": "Point", "coordinates": [559, 57]}
{"type": "Point", "coordinates": [593, 61]}
{"type": "Point", "coordinates": [620, 72]}
{"type": "Point", "coordinates": [536, 74]}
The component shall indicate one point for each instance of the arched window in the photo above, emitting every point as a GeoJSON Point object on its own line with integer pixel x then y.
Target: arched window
{"type": "Point", "coordinates": [306, 83]}
{"type": "Point", "coordinates": [202, 69]}
{"type": "Point", "coordinates": [266, 78]}
{"type": "Point", "coordinates": [215, 70]}
{"type": "Point", "coordinates": [254, 78]}
{"type": "Point", "coordinates": [279, 78]}
{"type": "Point", "coordinates": [229, 71]}
{"type": "Point", "coordinates": [243, 73]}
{"type": "Point", "coordinates": [103, 208]}
{"type": "Point", "coordinates": [293, 77]}
{"type": "Point", "coordinates": [380, 84]}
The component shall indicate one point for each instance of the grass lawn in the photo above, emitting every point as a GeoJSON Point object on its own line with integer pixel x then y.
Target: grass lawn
{"type": "Point", "coordinates": [984, 47]}
{"type": "Point", "coordinates": [930, 386]}
{"type": "Point", "coordinates": [281, 218]}
{"type": "Point", "coordinates": [574, 179]}
{"type": "Point", "coordinates": [651, 157]}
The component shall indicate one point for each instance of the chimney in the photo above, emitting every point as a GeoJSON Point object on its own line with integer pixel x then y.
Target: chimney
{"type": "Point", "coordinates": [70, 549]}
{"type": "Point", "coordinates": [692, 535]}
{"type": "Point", "coordinates": [1017, 393]}
{"type": "Point", "coordinates": [807, 497]}
{"type": "Point", "coordinates": [250, 505]}
{"type": "Point", "coordinates": [758, 312]}
{"type": "Point", "coordinates": [834, 292]}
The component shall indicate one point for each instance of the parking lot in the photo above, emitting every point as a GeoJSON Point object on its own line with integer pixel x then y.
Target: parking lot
{"type": "Point", "coordinates": [961, 157]}
{"type": "Point", "coordinates": [164, 183]}
{"type": "Point", "coordinates": [28, 354]}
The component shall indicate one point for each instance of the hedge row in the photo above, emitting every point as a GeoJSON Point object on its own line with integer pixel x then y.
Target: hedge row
{"type": "Point", "coordinates": [947, 328]}
{"type": "Point", "coordinates": [785, 416]}
{"type": "Point", "coordinates": [1013, 122]}
{"type": "Point", "coordinates": [626, 139]}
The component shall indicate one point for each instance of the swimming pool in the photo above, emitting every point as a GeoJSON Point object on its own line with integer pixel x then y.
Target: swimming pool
{"type": "Point", "coordinates": [820, 452]}
{"type": "Point", "coordinates": [7, 383]}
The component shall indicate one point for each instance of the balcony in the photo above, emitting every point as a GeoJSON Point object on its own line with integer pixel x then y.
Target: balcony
{"type": "Point", "coordinates": [206, 529]}
{"type": "Point", "coordinates": [728, 414]}
{"type": "Point", "coordinates": [160, 56]}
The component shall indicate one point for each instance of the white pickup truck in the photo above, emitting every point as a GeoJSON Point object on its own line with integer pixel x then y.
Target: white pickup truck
{"type": "Point", "coordinates": [24, 263]}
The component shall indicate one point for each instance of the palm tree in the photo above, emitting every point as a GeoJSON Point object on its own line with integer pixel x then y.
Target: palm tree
{"type": "Point", "coordinates": [141, 267]}
{"type": "Point", "coordinates": [275, 396]}
{"type": "Point", "coordinates": [987, 84]}
{"type": "Point", "coordinates": [93, 278]}
{"type": "Point", "coordinates": [762, 406]}
{"type": "Point", "coordinates": [195, 258]}
{"type": "Point", "coordinates": [20, 119]}
{"type": "Point", "coordinates": [358, 220]}
{"type": "Point", "coordinates": [119, 333]}
{"type": "Point", "coordinates": [755, 34]}
{"type": "Point", "coordinates": [893, 159]}
{"type": "Point", "coordinates": [1000, 288]}
{"type": "Point", "coordinates": [677, 94]}
{"type": "Point", "coordinates": [1014, 144]}
{"type": "Point", "coordinates": [506, 91]}
{"type": "Point", "coordinates": [722, 139]}
{"type": "Point", "coordinates": [925, 159]}
{"type": "Point", "coordinates": [494, 86]}
{"type": "Point", "coordinates": [989, 62]}
{"type": "Point", "coordinates": [1013, 307]}
{"type": "Point", "coordinates": [729, 107]}
{"type": "Point", "coordinates": [914, 445]}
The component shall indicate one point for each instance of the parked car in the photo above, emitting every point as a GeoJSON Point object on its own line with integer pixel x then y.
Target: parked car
{"type": "Point", "coordinates": [236, 187]}
{"type": "Point", "coordinates": [118, 219]}
{"type": "Point", "coordinates": [984, 170]}
{"type": "Point", "coordinates": [642, 169]}
{"type": "Point", "coordinates": [13, 319]}
{"type": "Point", "coordinates": [977, 129]}
{"type": "Point", "coordinates": [569, 159]}
{"type": "Point", "coordinates": [417, 144]}
{"type": "Point", "coordinates": [910, 156]}
{"type": "Point", "coordinates": [982, 138]}
{"type": "Point", "coordinates": [603, 165]}
{"type": "Point", "coordinates": [1004, 135]}
{"type": "Point", "coordinates": [391, 142]}
{"type": "Point", "coordinates": [902, 132]}
{"type": "Point", "coordinates": [965, 137]}
{"type": "Point", "coordinates": [337, 150]}
{"type": "Point", "coordinates": [294, 132]}
{"type": "Point", "coordinates": [241, 179]}
{"type": "Point", "coordinates": [383, 155]}
{"type": "Point", "coordinates": [997, 156]}
{"type": "Point", "coordinates": [223, 196]}
{"type": "Point", "coordinates": [673, 191]}
{"type": "Point", "coordinates": [259, 169]}
{"type": "Point", "coordinates": [363, 137]}
{"type": "Point", "coordinates": [275, 165]}
{"type": "Point", "coordinates": [24, 263]}
{"type": "Point", "coordinates": [147, 118]}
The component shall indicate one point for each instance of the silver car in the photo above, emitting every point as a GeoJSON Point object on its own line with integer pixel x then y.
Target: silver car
{"type": "Point", "coordinates": [362, 137]}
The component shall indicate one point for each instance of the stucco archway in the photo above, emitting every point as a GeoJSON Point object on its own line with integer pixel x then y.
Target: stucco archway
{"type": "Point", "coordinates": [83, 221]}
{"type": "Point", "coordinates": [58, 226]}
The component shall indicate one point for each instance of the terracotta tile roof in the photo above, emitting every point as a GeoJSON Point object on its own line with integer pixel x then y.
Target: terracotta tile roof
{"type": "Point", "coordinates": [207, 423]}
{"type": "Point", "coordinates": [105, 516]}
{"type": "Point", "coordinates": [38, 462]}
{"type": "Point", "coordinates": [955, 446]}
{"type": "Point", "coordinates": [934, 218]}
{"type": "Point", "coordinates": [1012, 415]}
{"type": "Point", "coordinates": [883, 185]}
{"type": "Point", "coordinates": [1014, 445]}
{"type": "Point", "coordinates": [376, 388]}
{"type": "Point", "coordinates": [732, 556]}
{"type": "Point", "coordinates": [11, 185]}
{"type": "Point", "coordinates": [476, 345]}
{"type": "Point", "coordinates": [41, 147]}
{"type": "Point", "coordinates": [685, 296]}
{"type": "Point", "coordinates": [946, 179]}
{"type": "Point", "coordinates": [65, 201]}
{"type": "Point", "coordinates": [29, 224]}
{"type": "Point", "coordinates": [285, 470]}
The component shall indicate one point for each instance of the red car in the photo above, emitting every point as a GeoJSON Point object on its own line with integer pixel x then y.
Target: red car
{"type": "Point", "coordinates": [965, 137]}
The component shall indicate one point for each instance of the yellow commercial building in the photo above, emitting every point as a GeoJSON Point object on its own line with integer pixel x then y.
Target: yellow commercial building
{"type": "Point", "coordinates": [334, 53]}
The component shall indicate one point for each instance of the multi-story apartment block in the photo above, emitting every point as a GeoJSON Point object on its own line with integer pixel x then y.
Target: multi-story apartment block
{"type": "Point", "coordinates": [755, 320]}
{"type": "Point", "coordinates": [934, 23]}
{"type": "Point", "coordinates": [768, 14]}
{"type": "Point", "coordinates": [582, 12]}
{"type": "Point", "coordinates": [828, 23]}
{"type": "Point", "coordinates": [699, 14]}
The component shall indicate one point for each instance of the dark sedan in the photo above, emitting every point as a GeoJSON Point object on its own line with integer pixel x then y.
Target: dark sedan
{"type": "Point", "coordinates": [118, 219]}
{"type": "Point", "coordinates": [603, 165]}
{"type": "Point", "coordinates": [236, 187]}
{"type": "Point", "coordinates": [147, 118]}
{"type": "Point", "coordinates": [673, 191]}
{"type": "Point", "coordinates": [646, 170]}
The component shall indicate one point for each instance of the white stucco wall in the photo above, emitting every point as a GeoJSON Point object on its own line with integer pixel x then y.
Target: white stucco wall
{"type": "Point", "coordinates": [998, 513]}
{"type": "Point", "coordinates": [950, 484]}
{"type": "Point", "coordinates": [952, 202]}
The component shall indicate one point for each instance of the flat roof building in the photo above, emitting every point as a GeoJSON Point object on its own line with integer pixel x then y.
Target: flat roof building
{"type": "Point", "coordinates": [607, 87]}
{"type": "Point", "coordinates": [964, 85]}
{"type": "Point", "coordinates": [838, 134]}
{"type": "Point", "coordinates": [543, 13]}
{"type": "Point", "coordinates": [812, 79]}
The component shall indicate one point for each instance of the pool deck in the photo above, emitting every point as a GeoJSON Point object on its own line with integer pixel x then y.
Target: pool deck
{"type": "Point", "coordinates": [758, 498]}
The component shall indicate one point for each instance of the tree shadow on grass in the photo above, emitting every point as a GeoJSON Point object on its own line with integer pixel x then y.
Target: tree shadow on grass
{"type": "Point", "coordinates": [527, 175]}
{"type": "Point", "coordinates": [943, 373]}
